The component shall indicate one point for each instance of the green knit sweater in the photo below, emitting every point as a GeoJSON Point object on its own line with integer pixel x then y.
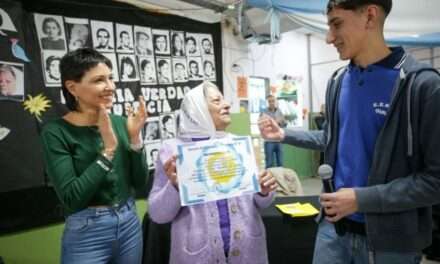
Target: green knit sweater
{"type": "Point", "coordinates": [81, 176]}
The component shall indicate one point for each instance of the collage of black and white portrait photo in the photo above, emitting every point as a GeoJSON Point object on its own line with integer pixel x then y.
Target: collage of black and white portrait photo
{"type": "Point", "coordinates": [147, 70]}
{"type": "Point", "coordinates": [124, 38]}
{"type": "Point", "coordinates": [102, 36]}
{"type": "Point", "coordinates": [78, 33]}
{"type": "Point", "coordinates": [161, 41]}
{"type": "Point", "coordinates": [50, 30]}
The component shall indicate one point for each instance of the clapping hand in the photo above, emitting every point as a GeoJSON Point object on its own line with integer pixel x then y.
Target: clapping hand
{"type": "Point", "coordinates": [106, 130]}
{"type": "Point", "coordinates": [136, 120]}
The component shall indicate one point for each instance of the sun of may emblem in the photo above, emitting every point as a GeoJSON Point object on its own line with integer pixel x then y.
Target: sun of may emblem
{"type": "Point", "coordinates": [36, 105]}
{"type": "Point", "coordinates": [222, 167]}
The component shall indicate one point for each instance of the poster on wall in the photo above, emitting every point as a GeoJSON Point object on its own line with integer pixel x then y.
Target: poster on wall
{"type": "Point", "coordinates": [290, 99]}
{"type": "Point", "coordinates": [149, 56]}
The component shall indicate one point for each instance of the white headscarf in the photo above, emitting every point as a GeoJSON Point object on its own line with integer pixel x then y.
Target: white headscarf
{"type": "Point", "coordinates": [195, 121]}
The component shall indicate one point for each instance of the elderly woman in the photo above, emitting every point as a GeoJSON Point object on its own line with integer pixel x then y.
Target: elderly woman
{"type": "Point", "coordinates": [223, 231]}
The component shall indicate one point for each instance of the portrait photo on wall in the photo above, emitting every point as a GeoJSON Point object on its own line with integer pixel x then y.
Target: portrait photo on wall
{"type": "Point", "coordinates": [152, 153]}
{"type": "Point", "coordinates": [206, 44]}
{"type": "Point", "coordinates": [195, 68]}
{"type": "Point", "coordinates": [112, 58]}
{"type": "Point", "coordinates": [147, 69]}
{"type": "Point", "coordinates": [167, 126]}
{"type": "Point", "coordinates": [50, 31]}
{"type": "Point", "coordinates": [192, 44]}
{"type": "Point", "coordinates": [161, 41]}
{"type": "Point", "coordinates": [78, 33]}
{"type": "Point", "coordinates": [163, 66]}
{"type": "Point", "coordinates": [177, 44]}
{"type": "Point", "coordinates": [51, 67]}
{"type": "Point", "coordinates": [151, 130]}
{"type": "Point", "coordinates": [102, 36]}
{"type": "Point", "coordinates": [11, 81]}
{"type": "Point", "coordinates": [143, 44]}
{"type": "Point", "coordinates": [127, 68]}
{"type": "Point", "coordinates": [179, 70]}
{"type": "Point", "coordinates": [209, 68]}
{"type": "Point", "coordinates": [124, 38]}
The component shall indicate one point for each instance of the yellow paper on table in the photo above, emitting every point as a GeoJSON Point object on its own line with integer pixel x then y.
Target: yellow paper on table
{"type": "Point", "coordinates": [298, 209]}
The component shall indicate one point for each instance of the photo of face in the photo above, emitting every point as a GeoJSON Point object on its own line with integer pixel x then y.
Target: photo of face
{"type": "Point", "coordinates": [50, 32]}
{"type": "Point", "coordinates": [102, 35]}
{"type": "Point", "coordinates": [178, 48]}
{"type": "Point", "coordinates": [152, 131]}
{"type": "Point", "coordinates": [143, 43]}
{"type": "Point", "coordinates": [180, 72]}
{"type": "Point", "coordinates": [168, 127]}
{"type": "Point", "coordinates": [53, 69]}
{"type": "Point", "coordinates": [124, 34]}
{"type": "Point", "coordinates": [163, 71]}
{"type": "Point", "coordinates": [207, 46]}
{"type": "Point", "coordinates": [152, 154]}
{"type": "Point", "coordinates": [103, 38]}
{"type": "Point", "coordinates": [78, 36]}
{"type": "Point", "coordinates": [11, 81]}
{"type": "Point", "coordinates": [127, 68]}
{"type": "Point", "coordinates": [209, 70]}
{"type": "Point", "coordinates": [160, 43]}
{"type": "Point", "coordinates": [194, 69]}
{"type": "Point", "coordinates": [148, 71]}
{"type": "Point", "coordinates": [191, 46]}
{"type": "Point", "coordinates": [7, 80]}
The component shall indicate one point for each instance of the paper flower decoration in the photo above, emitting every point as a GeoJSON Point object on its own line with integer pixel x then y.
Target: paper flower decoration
{"type": "Point", "coordinates": [37, 105]}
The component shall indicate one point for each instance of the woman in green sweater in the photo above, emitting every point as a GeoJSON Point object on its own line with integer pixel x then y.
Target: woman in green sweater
{"type": "Point", "coordinates": [95, 160]}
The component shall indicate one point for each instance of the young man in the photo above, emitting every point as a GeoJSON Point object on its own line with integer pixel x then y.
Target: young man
{"type": "Point", "coordinates": [273, 147]}
{"type": "Point", "coordinates": [381, 140]}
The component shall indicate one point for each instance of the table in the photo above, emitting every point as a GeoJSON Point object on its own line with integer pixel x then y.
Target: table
{"type": "Point", "coordinates": [289, 240]}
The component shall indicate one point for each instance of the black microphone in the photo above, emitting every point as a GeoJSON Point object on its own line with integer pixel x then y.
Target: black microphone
{"type": "Point", "coordinates": [325, 171]}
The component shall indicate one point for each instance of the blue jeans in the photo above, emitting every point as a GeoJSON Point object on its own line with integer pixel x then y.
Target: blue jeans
{"type": "Point", "coordinates": [271, 149]}
{"type": "Point", "coordinates": [103, 235]}
{"type": "Point", "coordinates": [353, 249]}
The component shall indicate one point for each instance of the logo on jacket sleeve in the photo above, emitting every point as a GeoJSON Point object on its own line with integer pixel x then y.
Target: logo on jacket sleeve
{"type": "Point", "coordinates": [381, 108]}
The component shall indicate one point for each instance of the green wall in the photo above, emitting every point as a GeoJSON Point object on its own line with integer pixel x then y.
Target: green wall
{"type": "Point", "coordinates": [42, 245]}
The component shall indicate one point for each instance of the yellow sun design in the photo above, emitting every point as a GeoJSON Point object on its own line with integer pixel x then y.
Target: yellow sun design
{"type": "Point", "coordinates": [222, 167]}
{"type": "Point", "coordinates": [37, 105]}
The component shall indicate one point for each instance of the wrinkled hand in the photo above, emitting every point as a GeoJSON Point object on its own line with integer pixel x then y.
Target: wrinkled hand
{"type": "Point", "coordinates": [170, 170]}
{"type": "Point", "coordinates": [136, 120]}
{"type": "Point", "coordinates": [268, 183]}
{"type": "Point", "coordinates": [269, 128]}
{"type": "Point", "coordinates": [106, 130]}
{"type": "Point", "coordinates": [339, 204]}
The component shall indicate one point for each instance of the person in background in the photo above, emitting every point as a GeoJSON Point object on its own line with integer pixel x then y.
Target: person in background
{"type": "Point", "coordinates": [53, 39]}
{"type": "Point", "coordinates": [224, 231]}
{"type": "Point", "coordinates": [95, 161]}
{"type": "Point", "coordinates": [381, 139]}
{"type": "Point", "coordinates": [319, 122]}
{"type": "Point", "coordinates": [273, 147]}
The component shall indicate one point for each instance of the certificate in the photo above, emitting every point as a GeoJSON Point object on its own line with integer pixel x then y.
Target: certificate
{"type": "Point", "coordinates": [216, 169]}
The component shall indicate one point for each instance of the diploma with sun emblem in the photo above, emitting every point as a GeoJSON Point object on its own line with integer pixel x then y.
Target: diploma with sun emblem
{"type": "Point", "coordinates": [216, 169]}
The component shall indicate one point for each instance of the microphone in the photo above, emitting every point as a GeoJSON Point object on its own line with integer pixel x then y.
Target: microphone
{"type": "Point", "coordinates": [325, 171]}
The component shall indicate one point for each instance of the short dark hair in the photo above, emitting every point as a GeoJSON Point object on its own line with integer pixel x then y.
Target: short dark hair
{"type": "Point", "coordinates": [386, 5]}
{"type": "Point", "coordinates": [102, 30]}
{"type": "Point", "coordinates": [74, 65]}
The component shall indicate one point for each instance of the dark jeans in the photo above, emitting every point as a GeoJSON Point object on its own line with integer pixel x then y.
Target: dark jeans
{"type": "Point", "coordinates": [272, 149]}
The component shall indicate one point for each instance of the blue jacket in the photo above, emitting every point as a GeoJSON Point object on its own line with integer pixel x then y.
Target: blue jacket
{"type": "Point", "coordinates": [404, 178]}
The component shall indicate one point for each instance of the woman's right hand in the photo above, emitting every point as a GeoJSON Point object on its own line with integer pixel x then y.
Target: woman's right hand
{"type": "Point", "coordinates": [170, 169]}
{"type": "Point", "coordinates": [106, 130]}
